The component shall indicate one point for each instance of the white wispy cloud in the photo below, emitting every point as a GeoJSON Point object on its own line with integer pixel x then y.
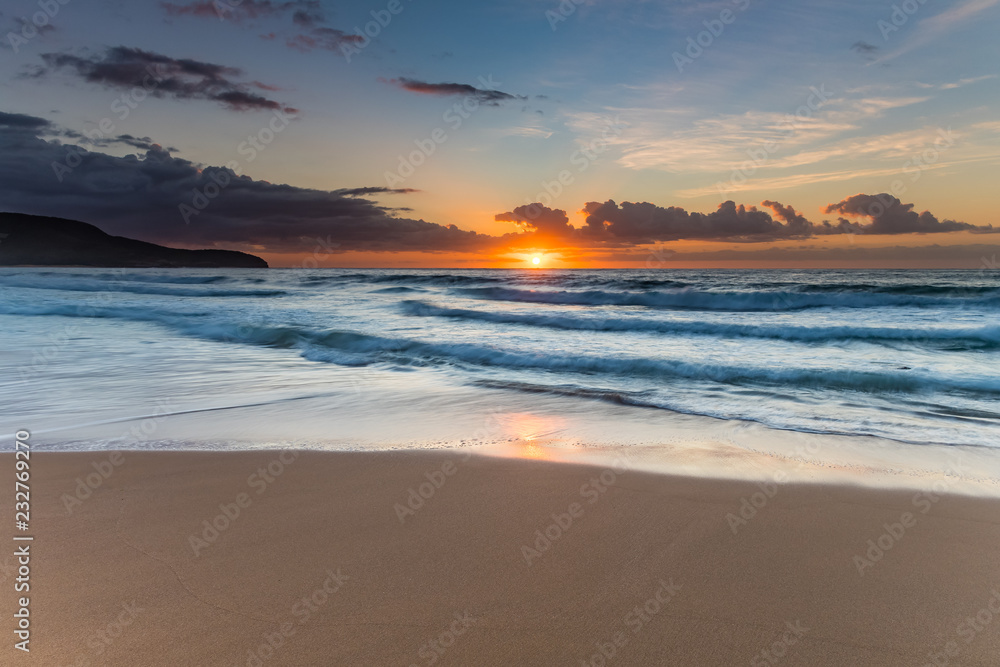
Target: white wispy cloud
{"type": "Point", "coordinates": [965, 82]}
{"type": "Point", "coordinates": [528, 132]}
{"type": "Point", "coordinates": [934, 27]}
{"type": "Point", "coordinates": [797, 180]}
{"type": "Point", "coordinates": [677, 140]}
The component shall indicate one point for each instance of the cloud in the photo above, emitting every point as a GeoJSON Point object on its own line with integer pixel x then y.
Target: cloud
{"type": "Point", "coordinates": [311, 28]}
{"type": "Point", "coordinates": [329, 39]}
{"type": "Point", "coordinates": [538, 218]}
{"type": "Point", "coordinates": [524, 131]}
{"type": "Point", "coordinates": [374, 190]}
{"type": "Point", "coordinates": [139, 196]}
{"type": "Point", "coordinates": [967, 81]}
{"type": "Point", "coordinates": [789, 215]}
{"type": "Point", "coordinates": [977, 256]}
{"type": "Point", "coordinates": [308, 15]}
{"type": "Point", "coordinates": [32, 126]}
{"type": "Point", "coordinates": [142, 195]}
{"type": "Point", "coordinates": [20, 121]}
{"type": "Point", "coordinates": [889, 215]}
{"type": "Point", "coordinates": [17, 31]}
{"type": "Point", "coordinates": [813, 128]}
{"type": "Point", "coordinates": [865, 50]}
{"type": "Point", "coordinates": [486, 96]}
{"type": "Point", "coordinates": [238, 10]}
{"type": "Point", "coordinates": [932, 29]}
{"type": "Point", "coordinates": [798, 222]}
{"type": "Point", "coordinates": [142, 143]}
{"type": "Point", "coordinates": [128, 68]}
{"type": "Point", "coordinates": [639, 223]}
{"type": "Point", "coordinates": [847, 174]}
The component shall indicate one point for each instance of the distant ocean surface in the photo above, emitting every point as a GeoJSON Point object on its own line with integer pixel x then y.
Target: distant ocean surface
{"type": "Point", "coordinates": [907, 355]}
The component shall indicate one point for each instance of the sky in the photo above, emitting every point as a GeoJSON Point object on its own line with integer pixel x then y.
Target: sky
{"type": "Point", "coordinates": [590, 133]}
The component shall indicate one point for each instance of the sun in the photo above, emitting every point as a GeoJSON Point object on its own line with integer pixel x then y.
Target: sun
{"type": "Point", "coordinates": [536, 260]}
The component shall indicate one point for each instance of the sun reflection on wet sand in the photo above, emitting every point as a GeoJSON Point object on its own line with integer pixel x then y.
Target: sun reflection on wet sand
{"type": "Point", "coordinates": [537, 436]}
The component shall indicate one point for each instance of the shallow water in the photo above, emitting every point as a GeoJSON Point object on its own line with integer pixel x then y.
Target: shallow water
{"type": "Point", "coordinates": [911, 356]}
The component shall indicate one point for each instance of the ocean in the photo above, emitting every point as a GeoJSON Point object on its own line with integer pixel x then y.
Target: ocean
{"type": "Point", "coordinates": [348, 358]}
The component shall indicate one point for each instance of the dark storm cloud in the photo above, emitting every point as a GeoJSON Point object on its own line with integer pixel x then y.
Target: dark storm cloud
{"type": "Point", "coordinates": [889, 215]}
{"type": "Point", "coordinates": [484, 95]}
{"type": "Point", "coordinates": [142, 143]}
{"type": "Point", "coordinates": [374, 190]}
{"type": "Point", "coordinates": [13, 121]}
{"type": "Point", "coordinates": [140, 196]}
{"type": "Point", "coordinates": [162, 76]}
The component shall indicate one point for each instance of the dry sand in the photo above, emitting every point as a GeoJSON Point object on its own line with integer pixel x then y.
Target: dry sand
{"type": "Point", "coordinates": [319, 563]}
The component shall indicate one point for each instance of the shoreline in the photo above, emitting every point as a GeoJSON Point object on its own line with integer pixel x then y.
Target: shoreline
{"type": "Point", "coordinates": [401, 557]}
{"type": "Point", "coordinates": [435, 416]}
